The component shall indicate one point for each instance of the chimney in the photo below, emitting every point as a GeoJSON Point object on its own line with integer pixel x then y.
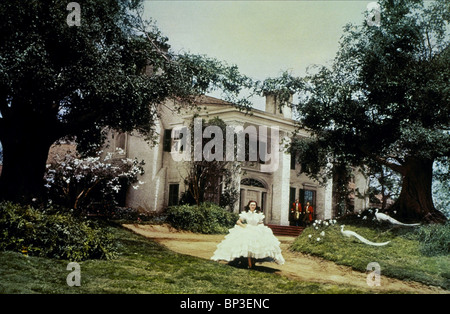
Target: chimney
{"type": "Point", "coordinates": [273, 106]}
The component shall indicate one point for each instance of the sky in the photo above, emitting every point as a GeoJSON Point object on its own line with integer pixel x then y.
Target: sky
{"type": "Point", "coordinates": [263, 38]}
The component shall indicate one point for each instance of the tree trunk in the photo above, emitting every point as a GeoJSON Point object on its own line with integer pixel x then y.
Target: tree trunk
{"type": "Point", "coordinates": [25, 152]}
{"type": "Point", "coordinates": [415, 203]}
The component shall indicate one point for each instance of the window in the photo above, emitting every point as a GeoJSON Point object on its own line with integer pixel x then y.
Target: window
{"type": "Point", "coordinates": [252, 182]}
{"type": "Point", "coordinates": [307, 196]}
{"type": "Point", "coordinates": [120, 141]}
{"type": "Point", "coordinates": [167, 141]}
{"type": "Point", "coordinates": [263, 201]}
{"type": "Point", "coordinates": [173, 194]}
{"type": "Point", "coordinates": [303, 167]}
{"type": "Point", "coordinates": [291, 196]}
{"type": "Point", "coordinates": [262, 150]}
{"type": "Point", "coordinates": [292, 161]}
{"type": "Point", "coordinates": [176, 143]}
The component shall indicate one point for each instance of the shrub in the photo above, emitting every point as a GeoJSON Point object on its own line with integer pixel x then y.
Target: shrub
{"type": "Point", "coordinates": [206, 218]}
{"type": "Point", "coordinates": [52, 233]}
{"type": "Point", "coordinates": [96, 184]}
{"type": "Point", "coordinates": [434, 239]}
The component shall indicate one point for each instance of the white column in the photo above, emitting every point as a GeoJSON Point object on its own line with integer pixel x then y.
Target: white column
{"type": "Point", "coordinates": [361, 188]}
{"type": "Point", "coordinates": [328, 200]}
{"type": "Point", "coordinates": [237, 185]}
{"type": "Point", "coordinates": [281, 179]}
{"type": "Point", "coordinates": [235, 165]}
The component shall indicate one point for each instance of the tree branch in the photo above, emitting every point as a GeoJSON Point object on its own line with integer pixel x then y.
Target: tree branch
{"type": "Point", "coordinates": [395, 167]}
{"type": "Point", "coordinates": [383, 161]}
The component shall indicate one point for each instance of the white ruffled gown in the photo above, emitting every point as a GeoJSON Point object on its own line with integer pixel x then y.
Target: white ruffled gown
{"type": "Point", "coordinates": [255, 240]}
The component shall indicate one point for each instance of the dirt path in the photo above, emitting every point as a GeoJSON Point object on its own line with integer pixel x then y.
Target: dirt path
{"type": "Point", "coordinates": [297, 266]}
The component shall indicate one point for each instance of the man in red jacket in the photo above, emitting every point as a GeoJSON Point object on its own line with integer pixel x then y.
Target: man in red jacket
{"type": "Point", "coordinates": [296, 212]}
{"type": "Point", "coordinates": [309, 213]}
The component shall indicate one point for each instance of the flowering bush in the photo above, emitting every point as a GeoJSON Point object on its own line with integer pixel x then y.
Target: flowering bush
{"type": "Point", "coordinates": [92, 183]}
{"type": "Point", "coordinates": [317, 231]}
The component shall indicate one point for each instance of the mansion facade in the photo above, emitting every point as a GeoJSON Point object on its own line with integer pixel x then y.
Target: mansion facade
{"type": "Point", "coordinates": [274, 183]}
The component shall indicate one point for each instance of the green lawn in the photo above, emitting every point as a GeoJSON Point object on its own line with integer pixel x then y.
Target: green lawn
{"type": "Point", "coordinates": [402, 258]}
{"type": "Point", "coordinates": [144, 266]}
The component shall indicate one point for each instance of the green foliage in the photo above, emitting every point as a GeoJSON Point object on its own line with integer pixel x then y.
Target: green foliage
{"type": "Point", "coordinates": [52, 233]}
{"type": "Point", "coordinates": [371, 106]}
{"type": "Point", "coordinates": [282, 87]}
{"type": "Point", "coordinates": [419, 254]}
{"type": "Point", "coordinates": [205, 218]}
{"type": "Point", "coordinates": [111, 72]}
{"type": "Point", "coordinates": [434, 239]}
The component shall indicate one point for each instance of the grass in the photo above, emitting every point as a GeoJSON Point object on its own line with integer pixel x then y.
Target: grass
{"type": "Point", "coordinates": [402, 258]}
{"type": "Point", "coordinates": [144, 266]}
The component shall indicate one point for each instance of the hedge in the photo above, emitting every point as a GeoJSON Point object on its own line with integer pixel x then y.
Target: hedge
{"type": "Point", "coordinates": [205, 218]}
{"type": "Point", "coordinates": [53, 233]}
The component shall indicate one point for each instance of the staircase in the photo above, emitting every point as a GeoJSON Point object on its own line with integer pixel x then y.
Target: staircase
{"type": "Point", "coordinates": [291, 231]}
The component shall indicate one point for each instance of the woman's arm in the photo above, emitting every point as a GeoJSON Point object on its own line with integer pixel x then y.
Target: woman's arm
{"type": "Point", "coordinates": [240, 223]}
{"type": "Point", "coordinates": [261, 220]}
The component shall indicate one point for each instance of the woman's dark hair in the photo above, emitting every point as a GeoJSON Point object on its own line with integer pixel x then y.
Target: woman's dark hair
{"type": "Point", "coordinates": [247, 208]}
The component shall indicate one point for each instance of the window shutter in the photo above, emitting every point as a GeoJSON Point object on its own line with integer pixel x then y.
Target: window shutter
{"type": "Point", "coordinates": [167, 141]}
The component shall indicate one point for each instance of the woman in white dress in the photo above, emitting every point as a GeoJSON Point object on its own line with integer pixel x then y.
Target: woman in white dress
{"type": "Point", "coordinates": [249, 238]}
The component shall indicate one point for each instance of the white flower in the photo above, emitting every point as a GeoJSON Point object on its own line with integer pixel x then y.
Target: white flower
{"type": "Point", "coordinates": [318, 239]}
{"type": "Point", "coordinates": [317, 228]}
{"type": "Point", "coordinates": [322, 233]}
{"type": "Point", "coordinates": [310, 236]}
{"type": "Point", "coordinates": [120, 151]}
{"type": "Point", "coordinates": [116, 188]}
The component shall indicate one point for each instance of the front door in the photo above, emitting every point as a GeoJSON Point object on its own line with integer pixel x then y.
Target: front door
{"type": "Point", "coordinates": [252, 196]}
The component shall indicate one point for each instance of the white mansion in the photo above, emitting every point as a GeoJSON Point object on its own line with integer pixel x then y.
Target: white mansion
{"type": "Point", "coordinates": [274, 184]}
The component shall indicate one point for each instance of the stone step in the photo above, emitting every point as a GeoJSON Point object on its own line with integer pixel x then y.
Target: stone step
{"type": "Point", "coordinates": [286, 230]}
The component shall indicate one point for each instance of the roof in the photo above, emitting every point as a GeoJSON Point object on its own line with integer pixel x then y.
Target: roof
{"type": "Point", "coordinates": [209, 100]}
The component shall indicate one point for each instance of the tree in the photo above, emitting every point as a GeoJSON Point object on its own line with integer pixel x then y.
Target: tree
{"type": "Point", "coordinates": [385, 101]}
{"type": "Point", "coordinates": [110, 70]}
{"type": "Point", "coordinates": [211, 179]}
